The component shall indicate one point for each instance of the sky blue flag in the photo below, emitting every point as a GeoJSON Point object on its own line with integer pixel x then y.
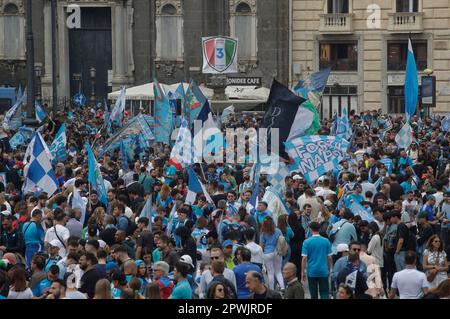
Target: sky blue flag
{"type": "Point", "coordinates": [445, 124]}
{"type": "Point", "coordinates": [163, 114]}
{"type": "Point", "coordinates": [95, 176]}
{"type": "Point", "coordinates": [58, 147]}
{"type": "Point", "coordinates": [196, 187]}
{"type": "Point", "coordinates": [313, 86]}
{"type": "Point", "coordinates": [181, 95]}
{"type": "Point", "coordinates": [12, 111]}
{"type": "Point", "coordinates": [23, 136]}
{"type": "Point", "coordinates": [343, 127]}
{"type": "Point", "coordinates": [358, 209]}
{"type": "Point", "coordinates": [117, 112]}
{"type": "Point", "coordinates": [77, 202]}
{"type": "Point", "coordinates": [40, 113]}
{"type": "Point", "coordinates": [411, 83]}
{"type": "Point", "coordinates": [255, 191]}
{"type": "Point", "coordinates": [19, 92]}
{"type": "Point", "coordinates": [123, 157]}
{"type": "Point", "coordinates": [147, 211]}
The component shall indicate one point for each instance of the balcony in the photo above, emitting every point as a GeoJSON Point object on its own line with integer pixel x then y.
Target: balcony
{"type": "Point", "coordinates": [405, 22]}
{"type": "Point", "coordinates": [336, 23]}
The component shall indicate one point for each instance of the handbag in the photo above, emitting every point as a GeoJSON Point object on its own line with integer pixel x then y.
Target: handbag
{"type": "Point", "coordinates": [431, 274]}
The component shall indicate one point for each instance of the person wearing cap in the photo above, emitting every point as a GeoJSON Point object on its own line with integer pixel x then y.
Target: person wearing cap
{"type": "Point", "coordinates": [33, 235]}
{"type": "Point", "coordinates": [53, 249]}
{"type": "Point", "coordinates": [182, 289]}
{"type": "Point", "coordinates": [11, 240]}
{"type": "Point", "coordinates": [227, 247]}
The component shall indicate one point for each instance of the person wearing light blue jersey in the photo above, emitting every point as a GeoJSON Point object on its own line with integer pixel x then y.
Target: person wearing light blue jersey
{"type": "Point", "coordinates": [33, 235]}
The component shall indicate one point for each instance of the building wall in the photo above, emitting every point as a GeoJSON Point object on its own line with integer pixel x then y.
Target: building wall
{"type": "Point", "coordinates": [372, 77]}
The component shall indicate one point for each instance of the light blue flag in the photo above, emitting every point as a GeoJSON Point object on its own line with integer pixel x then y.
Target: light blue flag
{"type": "Point", "coordinates": [226, 114]}
{"type": "Point", "coordinates": [13, 110]}
{"type": "Point", "coordinates": [344, 130]}
{"type": "Point", "coordinates": [411, 83]}
{"type": "Point", "coordinates": [313, 86]}
{"type": "Point", "coordinates": [315, 155]}
{"type": "Point", "coordinates": [445, 124]}
{"type": "Point", "coordinates": [404, 136]}
{"type": "Point", "coordinates": [40, 113]}
{"type": "Point", "coordinates": [360, 210]}
{"type": "Point", "coordinates": [95, 176]}
{"type": "Point", "coordinates": [163, 115]}
{"type": "Point", "coordinates": [58, 147]}
{"type": "Point", "coordinates": [23, 136]}
{"type": "Point", "coordinates": [77, 202]}
{"type": "Point", "coordinates": [118, 111]}
{"type": "Point", "coordinates": [147, 211]}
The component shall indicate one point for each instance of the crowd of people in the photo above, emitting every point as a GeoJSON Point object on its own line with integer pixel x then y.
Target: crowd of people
{"type": "Point", "coordinates": [226, 249]}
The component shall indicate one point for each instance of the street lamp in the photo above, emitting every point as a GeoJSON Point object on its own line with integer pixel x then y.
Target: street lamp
{"type": "Point", "coordinates": [93, 73]}
{"type": "Point", "coordinates": [38, 73]}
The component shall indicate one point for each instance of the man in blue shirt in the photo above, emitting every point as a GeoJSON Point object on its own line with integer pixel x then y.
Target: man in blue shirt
{"type": "Point", "coordinates": [170, 173]}
{"type": "Point", "coordinates": [41, 290]}
{"type": "Point", "coordinates": [316, 252]}
{"type": "Point", "coordinates": [241, 270]}
{"type": "Point", "coordinates": [261, 212]}
{"type": "Point", "coordinates": [33, 235]}
{"type": "Point", "coordinates": [404, 161]}
{"type": "Point", "coordinates": [182, 289]}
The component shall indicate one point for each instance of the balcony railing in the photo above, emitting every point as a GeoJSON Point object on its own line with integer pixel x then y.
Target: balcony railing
{"type": "Point", "coordinates": [405, 22]}
{"type": "Point", "coordinates": [336, 23]}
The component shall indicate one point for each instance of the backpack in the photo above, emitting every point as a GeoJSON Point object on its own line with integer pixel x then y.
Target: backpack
{"type": "Point", "coordinates": [332, 236]}
{"type": "Point", "coordinates": [282, 246]}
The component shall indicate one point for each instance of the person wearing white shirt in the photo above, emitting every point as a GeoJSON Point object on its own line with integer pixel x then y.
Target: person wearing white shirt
{"type": "Point", "coordinates": [255, 249]}
{"type": "Point", "coordinates": [58, 232]}
{"type": "Point", "coordinates": [409, 282]}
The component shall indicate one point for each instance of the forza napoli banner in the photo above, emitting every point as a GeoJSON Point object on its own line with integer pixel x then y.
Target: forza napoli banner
{"type": "Point", "coordinates": [219, 55]}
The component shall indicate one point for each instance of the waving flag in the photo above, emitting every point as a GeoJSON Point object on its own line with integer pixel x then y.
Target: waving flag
{"type": "Point", "coordinates": [411, 83]}
{"type": "Point", "coordinates": [359, 210]}
{"type": "Point", "coordinates": [12, 111]}
{"type": "Point", "coordinates": [281, 110]}
{"type": "Point", "coordinates": [313, 86]}
{"type": "Point", "coordinates": [124, 157]}
{"type": "Point", "coordinates": [95, 176]}
{"type": "Point", "coordinates": [78, 202]}
{"type": "Point", "coordinates": [58, 147]}
{"type": "Point", "coordinates": [277, 179]}
{"type": "Point", "coordinates": [40, 113]}
{"type": "Point", "coordinates": [182, 151]}
{"type": "Point", "coordinates": [23, 136]}
{"type": "Point", "coordinates": [194, 102]}
{"type": "Point", "coordinates": [196, 187]}
{"type": "Point", "coordinates": [344, 130]}
{"type": "Point", "coordinates": [147, 211]}
{"type": "Point", "coordinates": [226, 114]}
{"type": "Point", "coordinates": [445, 124]}
{"type": "Point", "coordinates": [316, 155]}
{"type": "Point", "coordinates": [208, 138]}
{"type": "Point", "coordinates": [40, 175]}
{"type": "Point", "coordinates": [118, 110]}
{"type": "Point", "coordinates": [307, 121]}
{"type": "Point", "coordinates": [163, 115]}
{"type": "Point", "coordinates": [255, 191]}
{"type": "Point", "coordinates": [80, 99]}
{"type": "Point", "coordinates": [388, 163]}
{"type": "Point", "coordinates": [404, 136]}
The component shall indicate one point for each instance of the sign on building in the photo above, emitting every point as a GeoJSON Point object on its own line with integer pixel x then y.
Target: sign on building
{"type": "Point", "coordinates": [219, 55]}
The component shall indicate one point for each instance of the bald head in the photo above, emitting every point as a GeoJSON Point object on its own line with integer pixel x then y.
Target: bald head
{"type": "Point", "coordinates": [289, 271]}
{"type": "Point", "coordinates": [129, 268]}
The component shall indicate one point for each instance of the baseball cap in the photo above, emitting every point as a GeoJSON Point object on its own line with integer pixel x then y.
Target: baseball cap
{"type": "Point", "coordinates": [296, 177]}
{"type": "Point", "coordinates": [102, 243]}
{"type": "Point", "coordinates": [56, 243]}
{"type": "Point", "coordinates": [6, 213]}
{"type": "Point", "coordinates": [341, 248]}
{"type": "Point", "coordinates": [328, 203]}
{"type": "Point", "coordinates": [431, 197]}
{"type": "Point", "coordinates": [227, 243]}
{"type": "Point", "coordinates": [187, 260]}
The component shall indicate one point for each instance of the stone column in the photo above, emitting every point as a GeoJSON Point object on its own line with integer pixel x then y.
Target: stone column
{"type": "Point", "coordinates": [47, 74]}
{"type": "Point", "coordinates": [119, 63]}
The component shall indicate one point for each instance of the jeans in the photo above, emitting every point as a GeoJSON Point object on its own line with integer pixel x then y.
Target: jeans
{"type": "Point", "coordinates": [273, 266]}
{"type": "Point", "coordinates": [30, 250]}
{"type": "Point", "coordinates": [319, 285]}
{"type": "Point", "coordinates": [400, 260]}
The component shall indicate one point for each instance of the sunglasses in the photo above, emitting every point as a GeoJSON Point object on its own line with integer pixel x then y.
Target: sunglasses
{"type": "Point", "coordinates": [214, 258]}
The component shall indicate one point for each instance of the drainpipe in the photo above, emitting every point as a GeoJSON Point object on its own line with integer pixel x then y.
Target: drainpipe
{"type": "Point", "coordinates": [290, 44]}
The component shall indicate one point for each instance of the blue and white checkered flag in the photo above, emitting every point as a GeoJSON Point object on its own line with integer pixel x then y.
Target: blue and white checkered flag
{"type": "Point", "coordinates": [316, 155]}
{"type": "Point", "coordinates": [404, 136]}
{"type": "Point", "coordinates": [277, 179]}
{"type": "Point", "coordinates": [343, 129]}
{"type": "Point", "coordinates": [182, 151]}
{"type": "Point", "coordinates": [40, 174]}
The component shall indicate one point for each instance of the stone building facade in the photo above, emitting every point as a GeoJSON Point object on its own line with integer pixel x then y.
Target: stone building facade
{"type": "Point", "coordinates": [129, 42]}
{"type": "Point", "coordinates": [365, 43]}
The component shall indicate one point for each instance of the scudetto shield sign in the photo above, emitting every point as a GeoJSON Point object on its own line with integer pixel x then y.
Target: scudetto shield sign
{"type": "Point", "coordinates": [219, 55]}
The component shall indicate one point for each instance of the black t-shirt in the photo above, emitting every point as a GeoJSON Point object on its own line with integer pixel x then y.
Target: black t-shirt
{"type": "Point", "coordinates": [260, 296]}
{"type": "Point", "coordinates": [145, 239]}
{"type": "Point", "coordinates": [408, 241]}
{"type": "Point", "coordinates": [88, 282]}
{"type": "Point", "coordinates": [218, 197]}
{"type": "Point", "coordinates": [396, 191]}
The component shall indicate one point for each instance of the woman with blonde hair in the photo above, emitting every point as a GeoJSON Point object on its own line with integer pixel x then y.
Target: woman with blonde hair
{"type": "Point", "coordinates": [435, 263]}
{"type": "Point", "coordinates": [102, 289]}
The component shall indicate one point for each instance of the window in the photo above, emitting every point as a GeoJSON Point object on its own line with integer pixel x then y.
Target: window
{"type": "Point", "coordinates": [12, 26]}
{"type": "Point", "coordinates": [337, 97]}
{"type": "Point", "coordinates": [407, 6]}
{"type": "Point", "coordinates": [243, 27]}
{"type": "Point", "coordinates": [339, 56]}
{"type": "Point", "coordinates": [398, 52]}
{"type": "Point", "coordinates": [396, 99]}
{"type": "Point", "coordinates": [169, 42]}
{"type": "Point", "coordinates": [338, 6]}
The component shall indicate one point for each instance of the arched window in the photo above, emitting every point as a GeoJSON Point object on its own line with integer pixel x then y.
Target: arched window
{"type": "Point", "coordinates": [243, 27]}
{"type": "Point", "coordinates": [169, 38]}
{"type": "Point", "coordinates": [12, 29]}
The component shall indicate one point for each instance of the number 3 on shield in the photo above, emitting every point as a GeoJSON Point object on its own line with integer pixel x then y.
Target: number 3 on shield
{"type": "Point", "coordinates": [219, 53]}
